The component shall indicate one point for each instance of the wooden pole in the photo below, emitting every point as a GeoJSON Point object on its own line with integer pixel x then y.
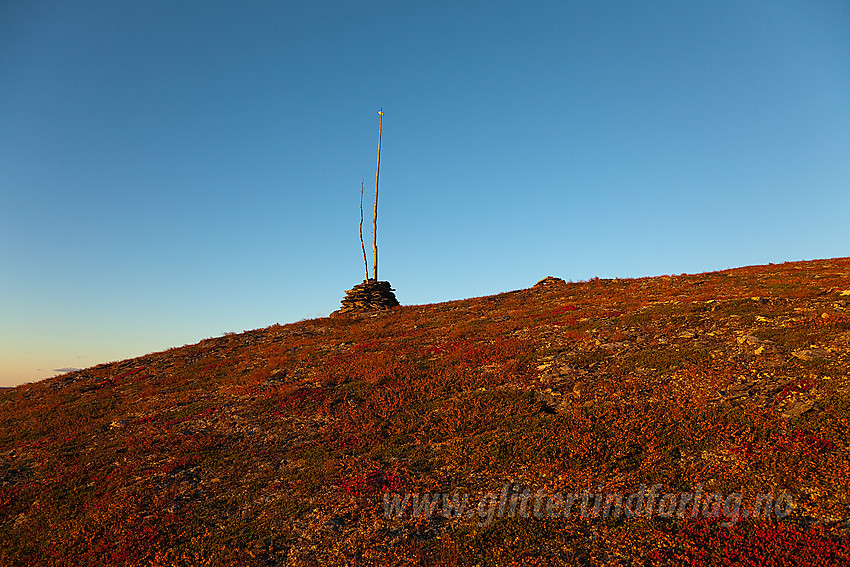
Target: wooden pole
{"type": "Point", "coordinates": [375, 218]}
{"type": "Point", "coordinates": [362, 247]}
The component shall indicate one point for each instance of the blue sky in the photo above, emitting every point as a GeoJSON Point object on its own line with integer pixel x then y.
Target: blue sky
{"type": "Point", "coordinates": [174, 170]}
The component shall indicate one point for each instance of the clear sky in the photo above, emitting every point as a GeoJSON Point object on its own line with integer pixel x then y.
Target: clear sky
{"type": "Point", "coordinates": [173, 170]}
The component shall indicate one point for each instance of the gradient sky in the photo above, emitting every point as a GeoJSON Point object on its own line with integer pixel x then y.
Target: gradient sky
{"type": "Point", "coordinates": [173, 170]}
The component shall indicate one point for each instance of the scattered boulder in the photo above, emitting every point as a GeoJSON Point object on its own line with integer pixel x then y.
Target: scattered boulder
{"type": "Point", "coordinates": [798, 408]}
{"type": "Point", "coordinates": [811, 354]}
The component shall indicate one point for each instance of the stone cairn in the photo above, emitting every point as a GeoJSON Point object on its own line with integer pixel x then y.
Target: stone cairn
{"type": "Point", "coordinates": [371, 295]}
{"type": "Point", "coordinates": [549, 280]}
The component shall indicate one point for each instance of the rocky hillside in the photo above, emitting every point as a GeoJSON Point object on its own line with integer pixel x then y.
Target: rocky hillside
{"type": "Point", "coordinates": [456, 433]}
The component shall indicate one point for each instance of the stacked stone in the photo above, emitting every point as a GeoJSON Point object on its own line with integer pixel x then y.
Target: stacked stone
{"type": "Point", "coordinates": [549, 280]}
{"type": "Point", "coordinates": [371, 295]}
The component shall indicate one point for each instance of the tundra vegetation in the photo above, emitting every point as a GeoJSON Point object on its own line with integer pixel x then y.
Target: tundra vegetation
{"type": "Point", "coordinates": [277, 446]}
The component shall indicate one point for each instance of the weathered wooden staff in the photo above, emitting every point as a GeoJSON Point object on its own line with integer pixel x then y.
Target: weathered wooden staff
{"type": "Point", "coordinates": [362, 247]}
{"type": "Point", "coordinates": [375, 218]}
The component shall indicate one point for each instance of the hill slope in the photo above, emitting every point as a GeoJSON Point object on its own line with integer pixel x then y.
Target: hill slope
{"type": "Point", "coordinates": [288, 445]}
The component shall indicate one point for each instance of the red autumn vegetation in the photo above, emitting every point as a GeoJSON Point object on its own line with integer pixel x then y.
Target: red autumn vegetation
{"type": "Point", "coordinates": [277, 446]}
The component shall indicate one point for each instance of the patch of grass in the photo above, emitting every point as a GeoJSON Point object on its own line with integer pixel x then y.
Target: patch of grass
{"type": "Point", "coordinates": [664, 359]}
